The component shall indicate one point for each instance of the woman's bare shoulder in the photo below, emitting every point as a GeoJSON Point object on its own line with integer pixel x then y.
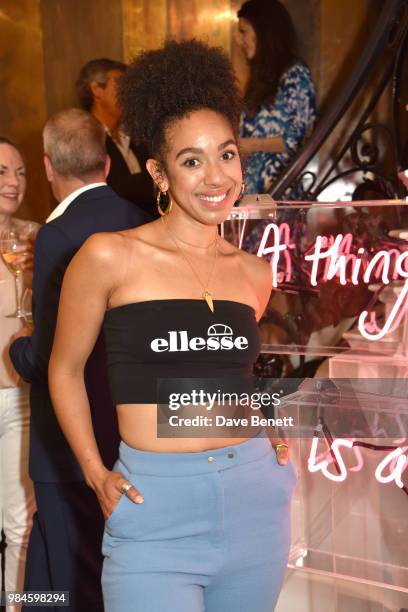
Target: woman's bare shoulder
{"type": "Point", "coordinates": [144, 240]}
{"type": "Point", "coordinates": [103, 246]}
{"type": "Point", "coordinates": [102, 258]}
{"type": "Point", "coordinates": [113, 250]}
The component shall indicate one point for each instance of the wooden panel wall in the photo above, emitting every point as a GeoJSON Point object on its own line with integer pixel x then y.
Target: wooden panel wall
{"type": "Point", "coordinates": [144, 26]}
{"type": "Point", "coordinates": [208, 21]}
{"type": "Point", "coordinates": [343, 39]}
{"type": "Point", "coordinates": [43, 44]}
{"type": "Point", "coordinates": [147, 24]}
{"type": "Point", "coordinates": [22, 94]}
{"type": "Point", "coordinates": [75, 32]}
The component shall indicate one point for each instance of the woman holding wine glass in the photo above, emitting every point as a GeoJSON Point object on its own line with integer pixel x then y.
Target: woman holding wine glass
{"type": "Point", "coordinates": [16, 493]}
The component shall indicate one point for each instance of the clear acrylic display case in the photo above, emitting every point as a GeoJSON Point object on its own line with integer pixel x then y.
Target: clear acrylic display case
{"type": "Point", "coordinates": [354, 529]}
{"type": "Point", "coordinates": [320, 316]}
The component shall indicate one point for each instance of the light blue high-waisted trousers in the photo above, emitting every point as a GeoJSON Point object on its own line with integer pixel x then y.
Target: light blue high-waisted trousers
{"type": "Point", "coordinates": [213, 532]}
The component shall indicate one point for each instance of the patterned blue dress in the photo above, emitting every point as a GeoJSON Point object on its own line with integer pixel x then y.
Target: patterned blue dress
{"type": "Point", "coordinates": [292, 116]}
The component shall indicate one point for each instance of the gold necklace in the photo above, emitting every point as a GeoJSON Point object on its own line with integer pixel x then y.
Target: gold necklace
{"type": "Point", "coordinates": [206, 295]}
{"type": "Point", "coordinates": [199, 246]}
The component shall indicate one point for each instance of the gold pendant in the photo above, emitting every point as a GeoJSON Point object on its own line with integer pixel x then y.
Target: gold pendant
{"type": "Point", "coordinates": [208, 298]}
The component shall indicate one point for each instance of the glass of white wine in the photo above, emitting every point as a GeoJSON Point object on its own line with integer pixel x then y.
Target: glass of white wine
{"type": "Point", "coordinates": [11, 249]}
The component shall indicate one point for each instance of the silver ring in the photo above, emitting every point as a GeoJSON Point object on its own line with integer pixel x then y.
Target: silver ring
{"type": "Point", "coordinates": [124, 488]}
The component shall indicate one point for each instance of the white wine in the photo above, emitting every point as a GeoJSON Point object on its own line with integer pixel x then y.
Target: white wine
{"type": "Point", "coordinates": [13, 249]}
{"type": "Point", "coordinates": [10, 259]}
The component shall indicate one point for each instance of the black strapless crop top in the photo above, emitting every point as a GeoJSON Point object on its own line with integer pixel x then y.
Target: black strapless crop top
{"type": "Point", "coordinates": [176, 339]}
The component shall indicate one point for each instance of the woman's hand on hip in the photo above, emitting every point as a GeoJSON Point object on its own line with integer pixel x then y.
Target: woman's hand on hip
{"type": "Point", "coordinates": [281, 449]}
{"type": "Point", "coordinates": [110, 489]}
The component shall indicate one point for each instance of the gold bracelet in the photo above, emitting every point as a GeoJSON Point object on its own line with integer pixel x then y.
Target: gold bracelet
{"type": "Point", "coordinates": [281, 445]}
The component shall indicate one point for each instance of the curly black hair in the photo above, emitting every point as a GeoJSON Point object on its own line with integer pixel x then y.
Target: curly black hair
{"type": "Point", "coordinates": [169, 83]}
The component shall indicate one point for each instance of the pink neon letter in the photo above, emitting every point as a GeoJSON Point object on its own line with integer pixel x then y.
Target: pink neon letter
{"type": "Point", "coordinates": [337, 264]}
{"type": "Point", "coordinates": [275, 249]}
{"type": "Point", "coordinates": [396, 472]}
{"type": "Point", "coordinates": [399, 307]}
{"type": "Point", "coordinates": [315, 467]}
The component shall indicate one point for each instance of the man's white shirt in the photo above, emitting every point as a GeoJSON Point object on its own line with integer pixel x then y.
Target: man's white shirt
{"type": "Point", "coordinates": [62, 206]}
{"type": "Point", "coordinates": [123, 145]}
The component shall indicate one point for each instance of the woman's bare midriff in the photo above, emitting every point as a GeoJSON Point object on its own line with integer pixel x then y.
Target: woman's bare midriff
{"type": "Point", "coordinates": [138, 429]}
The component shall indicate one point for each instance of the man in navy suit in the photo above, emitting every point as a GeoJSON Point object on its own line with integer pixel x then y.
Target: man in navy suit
{"type": "Point", "coordinates": [64, 552]}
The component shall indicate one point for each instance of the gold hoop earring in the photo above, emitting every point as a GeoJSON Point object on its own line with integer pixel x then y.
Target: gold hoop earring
{"type": "Point", "coordinates": [168, 210]}
{"type": "Point", "coordinates": [242, 191]}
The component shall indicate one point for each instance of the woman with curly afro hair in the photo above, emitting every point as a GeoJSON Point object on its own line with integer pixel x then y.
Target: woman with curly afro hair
{"type": "Point", "coordinates": [196, 518]}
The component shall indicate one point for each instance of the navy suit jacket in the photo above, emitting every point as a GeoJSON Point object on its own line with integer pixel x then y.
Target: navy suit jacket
{"type": "Point", "coordinates": [51, 459]}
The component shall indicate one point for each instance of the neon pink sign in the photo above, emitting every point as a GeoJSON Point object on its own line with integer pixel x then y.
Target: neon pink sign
{"type": "Point", "coordinates": [332, 257]}
{"type": "Point", "coordinates": [396, 462]}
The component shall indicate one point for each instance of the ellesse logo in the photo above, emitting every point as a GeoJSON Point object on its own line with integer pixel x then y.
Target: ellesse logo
{"type": "Point", "coordinates": [220, 337]}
